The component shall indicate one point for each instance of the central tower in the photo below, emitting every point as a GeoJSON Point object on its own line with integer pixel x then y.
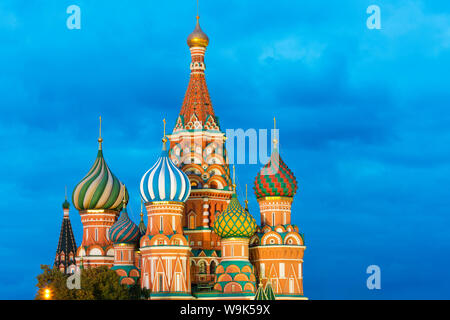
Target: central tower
{"type": "Point", "coordinates": [197, 148]}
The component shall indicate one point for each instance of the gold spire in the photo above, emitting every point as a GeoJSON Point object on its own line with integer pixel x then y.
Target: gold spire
{"type": "Point", "coordinates": [234, 179]}
{"type": "Point", "coordinates": [124, 197]}
{"type": "Point", "coordinates": [246, 200]}
{"type": "Point", "coordinates": [164, 139]}
{"type": "Point", "coordinates": [275, 141]}
{"type": "Point", "coordinates": [142, 213]}
{"type": "Point", "coordinates": [100, 140]}
{"type": "Point", "coordinates": [65, 191]}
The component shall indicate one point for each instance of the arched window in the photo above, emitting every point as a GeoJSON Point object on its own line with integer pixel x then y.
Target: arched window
{"type": "Point", "coordinates": [202, 267]}
{"type": "Point", "coordinates": [212, 267]}
{"type": "Point", "coordinates": [192, 221]}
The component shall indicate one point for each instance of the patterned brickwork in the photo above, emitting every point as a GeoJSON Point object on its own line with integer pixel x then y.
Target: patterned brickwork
{"type": "Point", "coordinates": [275, 179]}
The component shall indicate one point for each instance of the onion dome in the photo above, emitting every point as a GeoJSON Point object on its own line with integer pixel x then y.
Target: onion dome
{"type": "Point", "coordinates": [197, 38]}
{"type": "Point", "coordinates": [124, 230]}
{"type": "Point", "coordinates": [275, 179]}
{"type": "Point", "coordinates": [234, 221]}
{"type": "Point", "coordinates": [66, 204]}
{"type": "Point", "coordinates": [99, 189]}
{"type": "Point", "coordinates": [165, 182]}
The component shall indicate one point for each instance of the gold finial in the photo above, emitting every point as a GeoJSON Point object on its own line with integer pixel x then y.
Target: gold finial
{"type": "Point", "coordinates": [234, 178]}
{"type": "Point", "coordinates": [142, 213]}
{"type": "Point", "coordinates": [124, 197]}
{"type": "Point", "coordinates": [275, 141]}
{"type": "Point", "coordinates": [100, 140]}
{"type": "Point", "coordinates": [198, 17]}
{"type": "Point", "coordinates": [65, 191]}
{"type": "Point", "coordinates": [164, 139]}
{"type": "Point", "coordinates": [246, 200]}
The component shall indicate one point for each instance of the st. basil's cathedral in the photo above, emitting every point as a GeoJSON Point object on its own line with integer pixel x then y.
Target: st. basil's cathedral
{"type": "Point", "coordinates": [197, 241]}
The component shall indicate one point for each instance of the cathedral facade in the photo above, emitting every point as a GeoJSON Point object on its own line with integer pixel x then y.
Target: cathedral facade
{"type": "Point", "coordinates": [197, 241]}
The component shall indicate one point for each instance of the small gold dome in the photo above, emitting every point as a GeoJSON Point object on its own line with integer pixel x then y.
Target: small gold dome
{"type": "Point", "coordinates": [198, 38]}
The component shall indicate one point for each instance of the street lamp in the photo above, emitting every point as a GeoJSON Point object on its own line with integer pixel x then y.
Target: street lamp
{"type": "Point", "coordinates": [47, 294]}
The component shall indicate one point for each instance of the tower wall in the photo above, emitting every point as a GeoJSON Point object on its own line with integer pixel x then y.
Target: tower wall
{"type": "Point", "coordinates": [165, 252]}
{"type": "Point", "coordinates": [124, 263]}
{"type": "Point", "coordinates": [96, 247]}
{"type": "Point", "coordinates": [275, 211]}
{"type": "Point", "coordinates": [235, 274]}
{"type": "Point", "coordinates": [124, 254]}
{"type": "Point", "coordinates": [282, 265]}
{"type": "Point", "coordinates": [164, 217]}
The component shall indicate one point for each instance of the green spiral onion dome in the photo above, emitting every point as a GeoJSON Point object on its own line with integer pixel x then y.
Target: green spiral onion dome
{"type": "Point", "coordinates": [100, 189]}
{"type": "Point", "coordinates": [234, 221]}
{"type": "Point", "coordinates": [275, 179]}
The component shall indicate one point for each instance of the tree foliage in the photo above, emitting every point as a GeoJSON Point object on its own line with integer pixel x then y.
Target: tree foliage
{"type": "Point", "coordinates": [99, 283]}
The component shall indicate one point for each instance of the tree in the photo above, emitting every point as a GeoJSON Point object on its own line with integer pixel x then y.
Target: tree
{"type": "Point", "coordinates": [138, 293]}
{"type": "Point", "coordinates": [54, 280]}
{"type": "Point", "coordinates": [99, 283]}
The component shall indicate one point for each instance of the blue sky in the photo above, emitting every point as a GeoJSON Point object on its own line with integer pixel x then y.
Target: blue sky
{"type": "Point", "coordinates": [363, 117]}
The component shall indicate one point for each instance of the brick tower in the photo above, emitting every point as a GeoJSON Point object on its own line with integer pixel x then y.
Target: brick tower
{"type": "Point", "coordinates": [124, 235]}
{"type": "Point", "coordinates": [98, 198]}
{"type": "Point", "coordinates": [235, 277]}
{"type": "Point", "coordinates": [67, 247]}
{"type": "Point", "coordinates": [276, 249]}
{"type": "Point", "coordinates": [197, 148]}
{"type": "Point", "coordinates": [164, 248]}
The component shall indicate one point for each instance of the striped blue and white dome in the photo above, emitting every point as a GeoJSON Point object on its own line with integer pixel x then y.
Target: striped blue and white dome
{"type": "Point", "coordinates": [165, 182]}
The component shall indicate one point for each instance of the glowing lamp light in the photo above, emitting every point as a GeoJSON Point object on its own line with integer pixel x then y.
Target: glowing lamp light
{"type": "Point", "coordinates": [47, 294]}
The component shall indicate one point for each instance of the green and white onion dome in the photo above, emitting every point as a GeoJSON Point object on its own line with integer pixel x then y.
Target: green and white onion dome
{"type": "Point", "coordinates": [100, 188]}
